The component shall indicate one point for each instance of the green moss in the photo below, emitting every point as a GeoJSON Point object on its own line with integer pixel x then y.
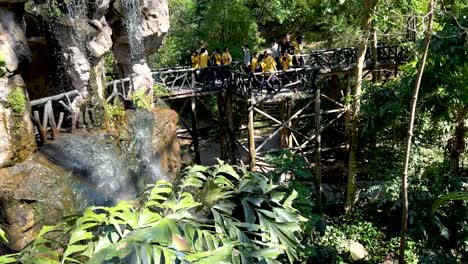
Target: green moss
{"type": "Point", "coordinates": [114, 114]}
{"type": "Point", "coordinates": [141, 99]}
{"type": "Point", "coordinates": [16, 100]}
{"type": "Point", "coordinates": [48, 10]}
{"type": "Point", "coordinates": [3, 69]}
{"type": "Point", "coordinates": [160, 90]}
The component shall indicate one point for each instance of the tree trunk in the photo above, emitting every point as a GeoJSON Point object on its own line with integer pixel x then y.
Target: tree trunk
{"type": "Point", "coordinates": [375, 59]}
{"type": "Point", "coordinates": [318, 150]}
{"type": "Point", "coordinates": [366, 24]}
{"type": "Point", "coordinates": [347, 117]}
{"type": "Point", "coordinates": [251, 129]}
{"type": "Point", "coordinates": [456, 144]}
{"type": "Point", "coordinates": [413, 103]}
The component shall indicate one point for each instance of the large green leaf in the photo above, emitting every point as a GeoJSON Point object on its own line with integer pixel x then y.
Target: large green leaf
{"type": "Point", "coordinates": [5, 259]}
{"type": "Point", "coordinates": [3, 235]}
{"type": "Point", "coordinates": [453, 196]}
{"type": "Point", "coordinates": [226, 170]}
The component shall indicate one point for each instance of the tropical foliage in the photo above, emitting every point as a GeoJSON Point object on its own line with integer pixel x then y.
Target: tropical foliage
{"type": "Point", "coordinates": [217, 214]}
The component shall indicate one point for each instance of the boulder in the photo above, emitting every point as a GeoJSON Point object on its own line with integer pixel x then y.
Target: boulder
{"type": "Point", "coordinates": [102, 41]}
{"type": "Point", "coordinates": [17, 140]}
{"type": "Point", "coordinates": [77, 68]}
{"type": "Point", "coordinates": [165, 141]}
{"type": "Point", "coordinates": [13, 42]}
{"type": "Point", "coordinates": [152, 28]}
{"type": "Point", "coordinates": [357, 250]}
{"type": "Point", "coordinates": [100, 8]}
{"type": "Point", "coordinates": [33, 194]}
{"type": "Point", "coordinates": [155, 23]}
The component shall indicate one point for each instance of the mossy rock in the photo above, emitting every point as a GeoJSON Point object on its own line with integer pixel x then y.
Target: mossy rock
{"type": "Point", "coordinates": [17, 101]}
{"type": "Point", "coordinates": [3, 68]}
{"type": "Point", "coordinates": [142, 99]}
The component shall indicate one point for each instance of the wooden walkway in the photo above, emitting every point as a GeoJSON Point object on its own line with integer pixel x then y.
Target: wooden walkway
{"type": "Point", "coordinates": [53, 114]}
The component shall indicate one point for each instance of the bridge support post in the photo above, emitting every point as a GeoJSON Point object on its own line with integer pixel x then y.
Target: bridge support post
{"type": "Point", "coordinates": [251, 133]}
{"type": "Point", "coordinates": [196, 144]}
{"type": "Point", "coordinates": [222, 127]}
{"type": "Point", "coordinates": [232, 137]}
{"type": "Point", "coordinates": [318, 150]}
{"type": "Point", "coordinates": [285, 111]}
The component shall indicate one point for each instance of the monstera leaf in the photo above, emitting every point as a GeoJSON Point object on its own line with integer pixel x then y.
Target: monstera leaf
{"type": "Point", "coordinates": [249, 208]}
{"type": "Point", "coordinates": [219, 214]}
{"type": "Point", "coordinates": [453, 196]}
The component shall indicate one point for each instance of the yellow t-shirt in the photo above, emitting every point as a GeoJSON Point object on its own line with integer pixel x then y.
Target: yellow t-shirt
{"type": "Point", "coordinates": [269, 64]}
{"type": "Point", "coordinates": [286, 62]}
{"type": "Point", "coordinates": [253, 64]}
{"type": "Point", "coordinates": [297, 48]}
{"type": "Point", "coordinates": [226, 58]}
{"type": "Point", "coordinates": [218, 59]}
{"type": "Point", "coordinates": [195, 61]}
{"type": "Point", "coordinates": [203, 60]}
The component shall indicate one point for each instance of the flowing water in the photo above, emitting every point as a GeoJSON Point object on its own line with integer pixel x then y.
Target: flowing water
{"type": "Point", "coordinates": [106, 170]}
{"type": "Point", "coordinates": [132, 24]}
{"type": "Point", "coordinates": [141, 126]}
{"type": "Point", "coordinates": [102, 177]}
{"type": "Point", "coordinates": [77, 10]}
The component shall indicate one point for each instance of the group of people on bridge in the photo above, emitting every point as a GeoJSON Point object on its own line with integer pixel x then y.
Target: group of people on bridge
{"type": "Point", "coordinates": [279, 56]}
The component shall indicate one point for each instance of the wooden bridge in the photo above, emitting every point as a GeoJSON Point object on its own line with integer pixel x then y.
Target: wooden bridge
{"type": "Point", "coordinates": [300, 95]}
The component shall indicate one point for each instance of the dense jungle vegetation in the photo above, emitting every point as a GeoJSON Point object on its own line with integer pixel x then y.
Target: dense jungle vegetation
{"type": "Point", "coordinates": [226, 214]}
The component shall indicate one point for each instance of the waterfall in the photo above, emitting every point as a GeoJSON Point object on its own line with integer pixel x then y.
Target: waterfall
{"type": "Point", "coordinates": [77, 9]}
{"type": "Point", "coordinates": [108, 170]}
{"type": "Point", "coordinates": [135, 38]}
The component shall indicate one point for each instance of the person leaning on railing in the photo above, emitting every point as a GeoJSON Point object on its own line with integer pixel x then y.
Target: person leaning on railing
{"type": "Point", "coordinates": [194, 58]}
{"type": "Point", "coordinates": [216, 61]}
{"type": "Point", "coordinates": [203, 65]}
{"type": "Point", "coordinates": [254, 65]}
{"type": "Point", "coordinates": [298, 47]}
{"type": "Point", "coordinates": [269, 69]}
{"type": "Point", "coordinates": [226, 60]}
{"type": "Point", "coordinates": [286, 62]}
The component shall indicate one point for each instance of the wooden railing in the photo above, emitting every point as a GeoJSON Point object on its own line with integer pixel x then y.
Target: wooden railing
{"type": "Point", "coordinates": [65, 104]}
{"type": "Point", "coordinates": [293, 80]}
{"type": "Point", "coordinates": [66, 107]}
{"type": "Point", "coordinates": [346, 58]}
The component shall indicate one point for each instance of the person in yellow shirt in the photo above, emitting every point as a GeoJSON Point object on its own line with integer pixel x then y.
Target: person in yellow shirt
{"type": "Point", "coordinates": [269, 63]}
{"type": "Point", "coordinates": [217, 58]}
{"type": "Point", "coordinates": [254, 65]}
{"type": "Point", "coordinates": [203, 59]}
{"type": "Point", "coordinates": [286, 61]}
{"type": "Point", "coordinates": [194, 59]}
{"type": "Point", "coordinates": [227, 59]}
{"type": "Point", "coordinates": [203, 65]}
{"type": "Point", "coordinates": [298, 47]}
{"type": "Point", "coordinates": [269, 67]}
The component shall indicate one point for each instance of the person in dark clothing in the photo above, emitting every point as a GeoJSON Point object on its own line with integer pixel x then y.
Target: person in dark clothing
{"type": "Point", "coordinates": [286, 45]}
